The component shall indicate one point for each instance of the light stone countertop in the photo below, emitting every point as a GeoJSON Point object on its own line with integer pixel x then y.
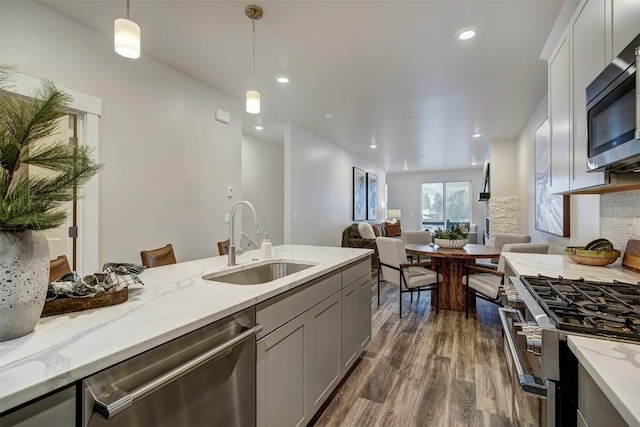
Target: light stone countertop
{"type": "Point", "coordinates": [554, 265]}
{"type": "Point", "coordinates": [174, 301]}
{"type": "Point", "coordinates": [614, 365]}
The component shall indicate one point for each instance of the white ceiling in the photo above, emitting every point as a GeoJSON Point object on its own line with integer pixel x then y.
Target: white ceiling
{"type": "Point", "coordinates": [370, 63]}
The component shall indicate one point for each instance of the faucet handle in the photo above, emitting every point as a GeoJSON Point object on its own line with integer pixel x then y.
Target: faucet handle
{"type": "Point", "coordinates": [239, 251]}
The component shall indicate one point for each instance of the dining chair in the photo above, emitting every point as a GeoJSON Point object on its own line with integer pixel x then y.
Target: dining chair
{"type": "Point", "coordinates": [486, 282]}
{"type": "Point", "coordinates": [58, 267]}
{"type": "Point", "coordinates": [417, 237]}
{"type": "Point", "coordinates": [499, 242]}
{"type": "Point", "coordinates": [158, 257]}
{"type": "Point", "coordinates": [410, 277]}
{"type": "Point", "coordinates": [223, 247]}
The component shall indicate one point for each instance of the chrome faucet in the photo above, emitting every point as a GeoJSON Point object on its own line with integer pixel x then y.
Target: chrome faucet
{"type": "Point", "coordinates": [232, 247]}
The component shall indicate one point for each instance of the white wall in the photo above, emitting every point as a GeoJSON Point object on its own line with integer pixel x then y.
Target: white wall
{"type": "Point", "coordinates": [405, 193]}
{"type": "Point", "coordinates": [585, 209]}
{"type": "Point", "coordinates": [318, 188]}
{"type": "Point", "coordinates": [167, 161]}
{"type": "Point", "coordinates": [504, 169]}
{"type": "Point", "coordinates": [263, 185]}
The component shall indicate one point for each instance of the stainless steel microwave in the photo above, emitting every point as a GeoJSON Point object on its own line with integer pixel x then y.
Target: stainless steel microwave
{"type": "Point", "coordinates": [613, 115]}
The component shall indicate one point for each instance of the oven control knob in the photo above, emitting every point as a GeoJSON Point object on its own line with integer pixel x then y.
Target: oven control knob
{"type": "Point", "coordinates": [529, 337]}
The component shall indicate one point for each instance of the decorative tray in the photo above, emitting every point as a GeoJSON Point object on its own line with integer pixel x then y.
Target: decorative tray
{"type": "Point", "coordinates": [69, 305]}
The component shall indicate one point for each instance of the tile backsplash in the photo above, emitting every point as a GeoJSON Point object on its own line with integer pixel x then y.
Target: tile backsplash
{"type": "Point", "coordinates": [620, 217]}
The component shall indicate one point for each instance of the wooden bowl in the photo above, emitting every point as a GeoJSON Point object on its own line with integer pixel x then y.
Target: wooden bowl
{"type": "Point", "coordinates": [581, 255]}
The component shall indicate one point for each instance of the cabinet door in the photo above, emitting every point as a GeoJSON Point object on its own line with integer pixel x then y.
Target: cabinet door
{"type": "Point", "coordinates": [559, 116]}
{"type": "Point", "coordinates": [58, 409]}
{"type": "Point", "coordinates": [350, 350]}
{"type": "Point", "coordinates": [325, 323]}
{"type": "Point", "coordinates": [364, 313]}
{"type": "Point", "coordinates": [589, 59]}
{"type": "Point", "coordinates": [282, 375]}
{"type": "Point", "coordinates": [626, 23]}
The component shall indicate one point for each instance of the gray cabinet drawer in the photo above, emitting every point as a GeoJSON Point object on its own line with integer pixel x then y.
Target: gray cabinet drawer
{"type": "Point", "coordinates": [58, 409]}
{"type": "Point", "coordinates": [353, 272]}
{"type": "Point", "coordinates": [278, 310]}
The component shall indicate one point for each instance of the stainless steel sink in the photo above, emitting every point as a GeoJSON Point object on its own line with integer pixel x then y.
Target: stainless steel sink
{"type": "Point", "coordinates": [259, 274]}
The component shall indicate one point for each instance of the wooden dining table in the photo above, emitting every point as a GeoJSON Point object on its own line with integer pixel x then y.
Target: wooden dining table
{"type": "Point", "coordinates": [451, 264]}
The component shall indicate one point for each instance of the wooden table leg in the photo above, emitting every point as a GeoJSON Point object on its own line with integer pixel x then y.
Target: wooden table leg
{"type": "Point", "coordinates": [452, 293]}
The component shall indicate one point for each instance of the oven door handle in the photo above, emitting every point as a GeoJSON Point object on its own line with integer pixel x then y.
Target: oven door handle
{"type": "Point", "coordinates": [117, 400]}
{"type": "Point", "coordinates": [530, 384]}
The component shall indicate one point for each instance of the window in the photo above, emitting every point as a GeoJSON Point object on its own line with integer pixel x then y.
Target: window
{"type": "Point", "coordinates": [445, 203]}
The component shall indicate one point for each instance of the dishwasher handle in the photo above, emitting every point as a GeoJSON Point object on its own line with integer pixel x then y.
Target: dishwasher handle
{"type": "Point", "coordinates": [117, 400]}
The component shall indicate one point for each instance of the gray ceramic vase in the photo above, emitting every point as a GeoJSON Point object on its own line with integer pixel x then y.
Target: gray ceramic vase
{"type": "Point", "coordinates": [24, 277]}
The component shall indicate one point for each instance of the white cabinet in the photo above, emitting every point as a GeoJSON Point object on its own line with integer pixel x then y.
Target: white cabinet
{"type": "Point", "coordinates": [559, 116]}
{"type": "Point", "coordinates": [57, 409]}
{"type": "Point", "coordinates": [356, 313]}
{"type": "Point", "coordinates": [325, 325]}
{"type": "Point", "coordinates": [300, 352]}
{"type": "Point", "coordinates": [594, 408]}
{"type": "Point", "coordinates": [588, 59]}
{"type": "Point", "coordinates": [625, 16]}
{"type": "Point", "coordinates": [282, 395]}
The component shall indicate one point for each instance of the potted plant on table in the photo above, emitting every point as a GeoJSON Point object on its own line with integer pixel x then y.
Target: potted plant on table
{"type": "Point", "coordinates": [30, 202]}
{"type": "Point", "coordinates": [454, 237]}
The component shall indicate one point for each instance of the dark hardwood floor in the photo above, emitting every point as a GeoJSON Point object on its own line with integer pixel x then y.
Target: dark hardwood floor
{"type": "Point", "coordinates": [425, 369]}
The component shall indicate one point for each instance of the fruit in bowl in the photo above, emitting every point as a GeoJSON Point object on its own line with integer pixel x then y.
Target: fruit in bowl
{"type": "Point", "coordinates": [597, 252]}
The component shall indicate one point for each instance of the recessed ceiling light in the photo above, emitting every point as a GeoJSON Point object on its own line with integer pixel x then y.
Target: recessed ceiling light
{"type": "Point", "coordinates": [374, 146]}
{"type": "Point", "coordinates": [258, 127]}
{"type": "Point", "coordinates": [476, 135]}
{"type": "Point", "coordinates": [405, 167]}
{"type": "Point", "coordinates": [466, 34]}
{"type": "Point", "coordinates": [329, 116]}
{"type": "Point", "coordinates": [407, 118]}
{"type": "Point", "coordinates": [473, 163]}
{"type": "Point", "coordinates": [280, 78]}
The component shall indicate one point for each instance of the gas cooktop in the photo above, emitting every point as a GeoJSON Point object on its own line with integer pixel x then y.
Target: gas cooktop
{"type": "Point", "coordinates": [588, 307]}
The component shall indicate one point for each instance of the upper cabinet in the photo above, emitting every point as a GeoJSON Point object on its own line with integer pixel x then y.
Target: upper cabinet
{"type": "Point", "coordinates": [597, 32]}
{"type": "Point", "coordinates": [588, 59]}
{"type": "Point", "coordinates": [625, 16]}
{"type": "Point", "coordinates": [559, 115]}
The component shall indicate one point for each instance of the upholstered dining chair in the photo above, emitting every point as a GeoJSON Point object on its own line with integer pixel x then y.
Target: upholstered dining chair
{"type": "Point", "coordinates": [487, 282]}
{"type": "Point", "coordinates": [58, 267]}
{"type": "Point", "coordinates": [223, 247]}
{"type": "Point", "coordinates": [157, 257]}
{"type": "Point", "coordinates": [417, 237]}
{"type": "Point", "coordinates": [410, 277]}
{"type": "Point", "coordinates": [499, 242]}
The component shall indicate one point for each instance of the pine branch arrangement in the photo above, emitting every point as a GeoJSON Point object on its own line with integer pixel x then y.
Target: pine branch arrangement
{"type": "Point", "coordinates": [33, 201]}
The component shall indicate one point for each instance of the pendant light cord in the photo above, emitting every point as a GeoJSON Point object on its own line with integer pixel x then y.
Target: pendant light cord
{"type": "Point", "coordinates": [253, 57]}
{"type": "Point", "coordinates": [127, 9]}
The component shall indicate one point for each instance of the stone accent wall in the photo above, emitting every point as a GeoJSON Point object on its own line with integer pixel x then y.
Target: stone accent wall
{"type": "Point", "coordinates": [620, 217]}
{"type": "Point", "coordinates": [503, 216]}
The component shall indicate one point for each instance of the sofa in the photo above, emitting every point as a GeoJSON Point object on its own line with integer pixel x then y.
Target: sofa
{"type": "Point", "coordinates": [352, 236]}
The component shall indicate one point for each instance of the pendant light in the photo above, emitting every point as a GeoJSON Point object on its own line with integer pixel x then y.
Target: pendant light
{"type": "Point", "coordinates": [254, 13]}
{"type": "Point", "coordinates": [126, 37]}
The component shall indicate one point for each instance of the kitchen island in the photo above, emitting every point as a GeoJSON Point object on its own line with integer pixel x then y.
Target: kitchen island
{"type": "Point", "coordinates": [608, 370]}
{"type": "Point", "coordinates": [174, 301]}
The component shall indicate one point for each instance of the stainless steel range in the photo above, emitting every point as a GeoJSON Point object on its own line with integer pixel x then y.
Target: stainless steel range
{"type": "Point", "coordinates": [542, 312]}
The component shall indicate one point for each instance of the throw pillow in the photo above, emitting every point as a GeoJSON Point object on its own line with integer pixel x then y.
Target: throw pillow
{"type": "Point", "coordinates": [393, 230]}
{"type": "Point", "coordinates": [366, 230]}
{"type": "Point", "coordinates": [376, 230]}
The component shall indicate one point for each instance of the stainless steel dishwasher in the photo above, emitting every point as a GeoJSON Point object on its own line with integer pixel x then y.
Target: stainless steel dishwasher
{"type": "Point", "coordinates": [205, 378]}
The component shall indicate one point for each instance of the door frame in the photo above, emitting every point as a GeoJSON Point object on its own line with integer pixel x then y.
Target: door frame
{"type": "Point", "coordinates": [88, 108]}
